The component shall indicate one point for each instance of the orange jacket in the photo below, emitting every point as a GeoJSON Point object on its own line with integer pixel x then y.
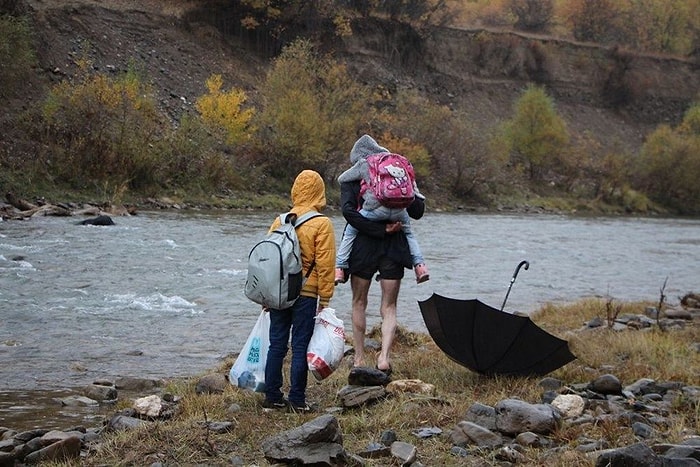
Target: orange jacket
{"type": "Point", "coordinates": [316, 236]}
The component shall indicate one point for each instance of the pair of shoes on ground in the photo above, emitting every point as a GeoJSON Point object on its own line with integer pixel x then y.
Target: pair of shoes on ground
{"type": "Point", "coordinates": [287, 406]}
{"type": "Point", "coordinates": [340, 276]}
{"type": "Point", "coordinates": [306, 408]}
{"type": "Point", "coordinates": [276, 405]}
{"type": "Point", "coordinates": [422, 274]}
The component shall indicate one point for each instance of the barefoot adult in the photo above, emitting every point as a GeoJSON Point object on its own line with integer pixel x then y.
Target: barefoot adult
{"type": "Point", "coordinates": [380, 247]}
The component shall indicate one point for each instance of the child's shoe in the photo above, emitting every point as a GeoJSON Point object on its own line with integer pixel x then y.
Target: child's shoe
{"type": "Point", "coordinates": [340, 277]}
{"type": "Point", "coordinates": [421, 271]}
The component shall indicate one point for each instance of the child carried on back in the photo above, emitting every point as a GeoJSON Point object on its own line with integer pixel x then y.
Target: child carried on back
{"type": "Point", "coordinates": [387, 186]}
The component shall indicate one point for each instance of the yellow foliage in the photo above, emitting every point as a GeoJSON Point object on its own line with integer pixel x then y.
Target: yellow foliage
{"type": "Point", "coordinates": [102, 128]}
{"type": "Point", "coordinates": [342, 26]}
{"type": "Point", "coordinates": [691, 122]}
{"type": "Point", "coordinates": [223, 110]}
{"type": "Point", "coordinates": [414, 152]}
{"type": "Point", "coordinates": [98, 93]}
{"type": "Point", "coordinates": [653, 25]}
{"type": "Point", "coordinates": [479, 12]}
{"type": "Point", "coordinates": [313, 111]}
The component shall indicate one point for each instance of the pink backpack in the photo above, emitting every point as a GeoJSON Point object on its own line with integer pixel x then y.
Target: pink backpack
{"type": "Point", "coordinates": [391, 179]}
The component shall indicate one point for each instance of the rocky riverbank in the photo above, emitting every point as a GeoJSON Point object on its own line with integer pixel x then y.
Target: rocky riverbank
{"type": "Point", "coordinates": [602, 420]}
{"type": "Point", "coordinates": [502, 433]}
{"type": "Point", "coordinates": [16, 208]}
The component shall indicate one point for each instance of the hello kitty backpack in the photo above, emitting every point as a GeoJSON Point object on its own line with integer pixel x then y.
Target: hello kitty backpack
{"type": "Point", "coordinates": [391, 180]}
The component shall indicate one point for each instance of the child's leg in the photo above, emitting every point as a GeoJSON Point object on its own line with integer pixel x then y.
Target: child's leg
{"type": "Point", "coordinates": [413, 245]}
{"type": "Point", "coordinates": [342, 256]}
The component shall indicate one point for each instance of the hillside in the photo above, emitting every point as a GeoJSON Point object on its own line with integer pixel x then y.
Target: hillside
{"type": "Point", "coordinates": [478, 72]}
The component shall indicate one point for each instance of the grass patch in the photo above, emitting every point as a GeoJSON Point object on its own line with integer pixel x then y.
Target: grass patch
{"type": "Point", "coordinates": [630, 355]}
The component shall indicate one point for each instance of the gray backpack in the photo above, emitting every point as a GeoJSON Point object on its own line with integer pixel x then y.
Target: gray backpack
{"type": "Point", "coordinates": [274, 265]}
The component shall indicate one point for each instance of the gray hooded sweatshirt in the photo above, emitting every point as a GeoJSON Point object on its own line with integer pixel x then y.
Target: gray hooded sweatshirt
{"type": "Point", "coordinates": [364, 147]}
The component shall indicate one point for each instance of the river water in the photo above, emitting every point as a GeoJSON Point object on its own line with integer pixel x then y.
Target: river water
{"type": "Point", "coordinates": [160, 294]}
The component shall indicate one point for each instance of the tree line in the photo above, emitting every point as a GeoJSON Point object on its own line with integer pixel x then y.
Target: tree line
{"type": "Point", "coordinates": [105, 133]}
{"type": "Point", "coordinates": [667, 26]}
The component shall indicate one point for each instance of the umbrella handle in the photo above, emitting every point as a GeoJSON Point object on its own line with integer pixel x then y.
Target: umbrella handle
{"type": "Point", "coordinates": [515, 274]}
{"type": "Point", "coordinates": [517, 270]}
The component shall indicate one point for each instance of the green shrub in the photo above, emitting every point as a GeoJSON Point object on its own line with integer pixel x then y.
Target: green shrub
{"type": "Point", "coordinates": [667, 167]}
{"type": "Point", "coordinates": [193, 159]}
{"type": "Point", "coordinates": [635, 202]}
{"type": "Point", "coordinates": [537, 134]}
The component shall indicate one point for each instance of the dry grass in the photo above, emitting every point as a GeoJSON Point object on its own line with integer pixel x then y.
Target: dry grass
{"type": "Point", "coordinates": [630, 355]}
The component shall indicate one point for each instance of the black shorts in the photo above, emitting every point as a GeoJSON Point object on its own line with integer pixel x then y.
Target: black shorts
{"type": "Point", "coordinates": [387, 269]}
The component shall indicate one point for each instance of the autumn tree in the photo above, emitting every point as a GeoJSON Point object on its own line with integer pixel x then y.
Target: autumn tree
{"type": "Point", "coordinates": [532, 15]}
{"type": "Point", "coordinates": [193, 158]}
{"type": "Point", "coordinates": [537, 134]}
{"type": "Point", "coordinates": [312, 112]}
{"type": "Point", "coordinates": [593, 20]}
{"type": "Point", "coordinates": [223, 110]}
{"type": "Point", "coordinates": [460, 158]}
{"type": "Point", "coordinates": [662, 25]}
{"type": "Point", "coordinates": [612, 175]}
{"type": "Point", "coordinates": [410, 11]}
{"type": "Point", "coordinates": [668, 166]}
{"type": "Point", "coordinates": [652, 25]}
{"type": "Point", "coordinates": [102, 130]}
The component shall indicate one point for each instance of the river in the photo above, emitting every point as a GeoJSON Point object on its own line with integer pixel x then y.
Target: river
{"type": "Point", "coordinates": [160, 294]}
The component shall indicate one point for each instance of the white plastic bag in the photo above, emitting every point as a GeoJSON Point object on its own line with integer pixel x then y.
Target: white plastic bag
{"type": "Point", "coordinates": [327, 344]}
{"type": "Point", "coordinates": [248, 371]}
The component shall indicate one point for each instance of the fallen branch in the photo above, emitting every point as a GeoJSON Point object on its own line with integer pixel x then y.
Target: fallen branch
{"type": "Point", "coordinates": [20, 203]}
{"type": "Point", "coordinates": [662, 297]}
{"type": "Point", "coordinates": [610, 313]}
{"type": "Point", "coordinates": [20, 209]}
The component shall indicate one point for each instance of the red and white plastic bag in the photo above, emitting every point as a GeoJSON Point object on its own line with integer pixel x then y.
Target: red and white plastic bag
{"type": "Point", "coordinates": [327, 344]}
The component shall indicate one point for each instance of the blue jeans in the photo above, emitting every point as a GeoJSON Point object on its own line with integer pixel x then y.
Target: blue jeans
{"type": "Point", "coordinates": [299, 320]}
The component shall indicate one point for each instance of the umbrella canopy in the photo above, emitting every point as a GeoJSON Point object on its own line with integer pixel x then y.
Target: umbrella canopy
{"type": "Point", "coordinates": [492, 342]}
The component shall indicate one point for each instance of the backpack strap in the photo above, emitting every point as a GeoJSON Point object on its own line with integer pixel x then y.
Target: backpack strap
{"type": "Point", "coordinates": [300, 220]}
{"type": "Point", "coordinates": [305, 217]}
{"type": "Point", "coordinates": [287, 218]}
{"type": "Point", "coordinates": [291, 218]}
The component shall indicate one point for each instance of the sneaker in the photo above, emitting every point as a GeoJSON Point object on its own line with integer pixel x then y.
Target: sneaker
{"type": "Point", "coordinates": [340, 277]}
{"type": "Point", "coordinates": [421, 271]}
{"type": "Point", "coordinates": [306, 408]}
{"type": "Point", "coordinates": [279, 405]}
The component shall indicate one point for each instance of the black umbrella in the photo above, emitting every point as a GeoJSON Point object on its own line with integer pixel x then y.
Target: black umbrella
{"type": "Point", "coordinates": [490, 341]}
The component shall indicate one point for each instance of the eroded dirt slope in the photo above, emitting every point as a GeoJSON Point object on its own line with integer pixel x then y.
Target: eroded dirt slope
{"type": "Point", "coordinates": [177, 55]}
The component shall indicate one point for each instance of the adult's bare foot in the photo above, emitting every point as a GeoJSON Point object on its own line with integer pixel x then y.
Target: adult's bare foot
{"type": "Point", "coordinates": [383, 364]}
